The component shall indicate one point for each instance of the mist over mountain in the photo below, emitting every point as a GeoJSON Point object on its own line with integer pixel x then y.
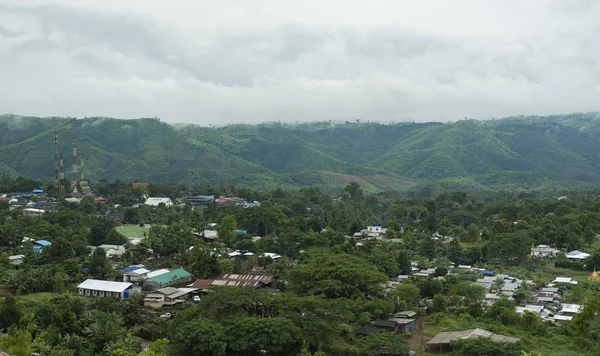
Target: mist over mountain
{"type": "Point", "coordinates": [521, 153]}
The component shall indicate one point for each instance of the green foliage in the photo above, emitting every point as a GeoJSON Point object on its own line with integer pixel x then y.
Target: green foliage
{"type": "Point", "coordinates": [335, 275]}
{"type": "Point", "coordinates": [485, 347]}
{"type": "Point", "coordinates": [513, 154]}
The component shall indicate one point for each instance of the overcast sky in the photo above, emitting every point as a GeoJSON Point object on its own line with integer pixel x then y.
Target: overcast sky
{"type": "Point", "coordinates": [220, 62]}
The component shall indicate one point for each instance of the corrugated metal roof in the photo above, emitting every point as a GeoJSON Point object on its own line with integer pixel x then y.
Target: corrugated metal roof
{"type": "Point", "coordinates": [140, 271]}
{"type": "Point", "coordinates": [106, 286]}
{"type": "Point", "coordinates": [171, 276]}
{"type": "Point", "coordinates": [158, 272]}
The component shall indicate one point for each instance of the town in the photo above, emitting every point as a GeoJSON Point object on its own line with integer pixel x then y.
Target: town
{"type": "Point", "coordinates": [169, 252]}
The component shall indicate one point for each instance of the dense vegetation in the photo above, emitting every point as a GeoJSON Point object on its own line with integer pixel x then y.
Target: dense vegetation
{"type": "Point", "coordinates": [329, 285]}
{"type": "Point", "coordinates": [526, 153]}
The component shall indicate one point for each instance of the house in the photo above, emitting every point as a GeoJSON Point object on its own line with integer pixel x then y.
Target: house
{"type": "Point", "coordinates": [375, 231]}
{"type": "Point", "coordinates": [272, 255]}
{"type": "Point", "coordinates": [236, 280]}
{"type": "Point", "coordinates": [200, 200]}
{"type": "Point", "coordinates": [544, 251]}
{"type": "Point", "coordinates": [444, 339]}
{"type": "Point", "coordinates": [113, 250]}
{"type": "Point", "coordinates": [251, 205]}
{"type": "Point", "coordinates": [153, 201]}
{"type": "Point", "coordinates": [38, 191]}
{"type": "Point", "coordinates": [166, 296]}
{"type": "Point", "coordinates": [135, 275]}
{"type": "Point", "coordinates": [485, 272]}
{"type": "Point", "coordinates": [407, 314]}
{"type": "Point", "coordinates": [158, 272]}
{"type": "Point", "coordinates": [577, 255]}
{"type": "Point", "coordinates": [98, 288]}
{"type": "Point", "coordinates": [33, 212]}
{"type": "Point", "coordinates": [398, 325]}
{"type": "Point", "coordinates": [166, 279]}
{"type": "Point", "coordinates": [16, 259]}
{"type": "Point", "coordinates": [570, 309]}
{"type": "Point", "coordinates": [565, 280]}
{"type": "Point", "coordinates": [39, 245]}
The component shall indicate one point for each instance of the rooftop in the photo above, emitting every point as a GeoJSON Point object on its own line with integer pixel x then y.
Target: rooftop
{"type": "Point", "coordinates": [106, 286]}
{"type": "Point", "coordinates": [448, 336]}
{"type": "Point", "coordinates": [171, 276]}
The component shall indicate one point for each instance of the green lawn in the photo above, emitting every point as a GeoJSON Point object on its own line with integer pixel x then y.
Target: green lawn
{"type": "Point", "coordinates": [133, 231]}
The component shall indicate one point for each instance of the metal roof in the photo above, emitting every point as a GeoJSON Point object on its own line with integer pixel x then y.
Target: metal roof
{"type": "Point", "coordinates": [140, 271]}
{"type": "Point", "coordinates": [171, 276]}
{"type": "Point", "coordinates": [158, 272]}
{"type": "Point", "coordinates": [106, 286]}
{"type": "Point", "coordinates": [448, 336]}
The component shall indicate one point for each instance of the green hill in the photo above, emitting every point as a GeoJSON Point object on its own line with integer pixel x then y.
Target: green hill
{"type": "Point", "coordinates": [523, 153]}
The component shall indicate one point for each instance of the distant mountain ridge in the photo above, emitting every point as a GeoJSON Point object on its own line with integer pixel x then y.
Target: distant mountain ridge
{"type": "Point", "coordinates": [522, 152]}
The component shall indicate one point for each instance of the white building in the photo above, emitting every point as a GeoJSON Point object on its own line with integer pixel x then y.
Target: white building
{"type": "Point", "coordinates": [544, 251]}
{"type": "Point", "coordinates": [577, 255]}
{"type": "Point", "coordinates": [167, 296]}
{"type": "Point", "coordinates": [135, 275]}
{"type": "Point", "coordinates": [153, 201]}
{"type": "Point", "coordinates": [372, 232]}
{"type": "Point", "coordinates": [33, 212]}
{"type": "Point", "coordinates": [99, 288]}
{"type": "Point", "coordinates": [16, 259]}
{"type": "Point", "coordinates": [158, 272]}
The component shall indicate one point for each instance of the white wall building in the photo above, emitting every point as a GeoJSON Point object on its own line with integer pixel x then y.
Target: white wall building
{"type": "Point", "coordinates": [99, 288]}
{"type": "Point", "coordinates": [153, 201]}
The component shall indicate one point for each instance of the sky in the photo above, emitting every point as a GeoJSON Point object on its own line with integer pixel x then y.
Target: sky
{"type": "Point", "coordinates": [239, 61]}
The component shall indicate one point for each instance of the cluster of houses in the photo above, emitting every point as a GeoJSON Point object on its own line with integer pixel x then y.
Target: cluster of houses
{"type": "Point", "coordinates": [34, 203]}
{"type": "Point", "coordinates": [204, 200]}
{"type": "Point", "coordinates": [545, 251]}
{"type": "Point", "coordinates": [164, 288]}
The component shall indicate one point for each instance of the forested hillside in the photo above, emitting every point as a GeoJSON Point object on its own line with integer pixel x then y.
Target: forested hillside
{"type": "Point", "coordinates": [513, 153]}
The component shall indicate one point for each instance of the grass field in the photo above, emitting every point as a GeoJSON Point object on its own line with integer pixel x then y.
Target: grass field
{"type": "Point", "coordinates": [133, 231]}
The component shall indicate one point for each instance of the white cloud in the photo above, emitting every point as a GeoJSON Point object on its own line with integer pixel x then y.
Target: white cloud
{"type": "Point", "coordinates": [250, 61]}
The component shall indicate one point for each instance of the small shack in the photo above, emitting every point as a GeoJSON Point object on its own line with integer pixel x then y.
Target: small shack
{"type": "Point", "coordinates": [398, 325]}
{"type": "Point", "coordinates": [407, 314]}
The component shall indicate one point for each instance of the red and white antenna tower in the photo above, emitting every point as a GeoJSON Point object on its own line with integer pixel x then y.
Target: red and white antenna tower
{"type": "Point", "coordinates": [56, 160]}
{"type": "Point", "coordinates": [82, 175]}
{"type": "Point", "coordinates": [61, 174]}
{"type": "Point", "coordinates": [74, 162]}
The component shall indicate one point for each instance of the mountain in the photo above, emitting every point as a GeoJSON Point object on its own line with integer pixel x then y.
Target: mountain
{"type": "Point", "coordinates": [520, 153]}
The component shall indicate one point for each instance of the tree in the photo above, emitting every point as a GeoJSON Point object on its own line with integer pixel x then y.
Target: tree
{"type": "Point", "coordinates": [115, 238]}
{"type": "Point", "coordinates": [587, 323]}
{"type": "Point", "coordinates": [99, 266]}
{"type": "Point", "coordinates": [10, 312]}
{"type": "Point", "coordinates": [199, 337]}
{"type": "Point", "coordinates": [203, 261]}
{"type": "Point", "coordinates": [405, 295]}
{"type": "Point", "coordinates": [253, 336]}
{"type": "Point", "coordinates": [483, 346]}
{"type": "Point", "coordinates": [226, 230]}
{"type": "Point", "coordinates": [382, 344]}
{"type": "Point", "coordinates": [335, 275]}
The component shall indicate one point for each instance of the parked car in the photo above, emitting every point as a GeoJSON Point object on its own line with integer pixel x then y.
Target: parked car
{"type": "Point", "coordinates": [196, 298]}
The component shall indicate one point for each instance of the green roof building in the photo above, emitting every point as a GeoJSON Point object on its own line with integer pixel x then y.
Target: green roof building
{"type": "Point", "coordinates": [175, 276]}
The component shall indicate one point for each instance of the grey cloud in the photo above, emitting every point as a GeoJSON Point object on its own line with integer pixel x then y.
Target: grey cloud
{"type": "Point", "coordinates": [142, 66]}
